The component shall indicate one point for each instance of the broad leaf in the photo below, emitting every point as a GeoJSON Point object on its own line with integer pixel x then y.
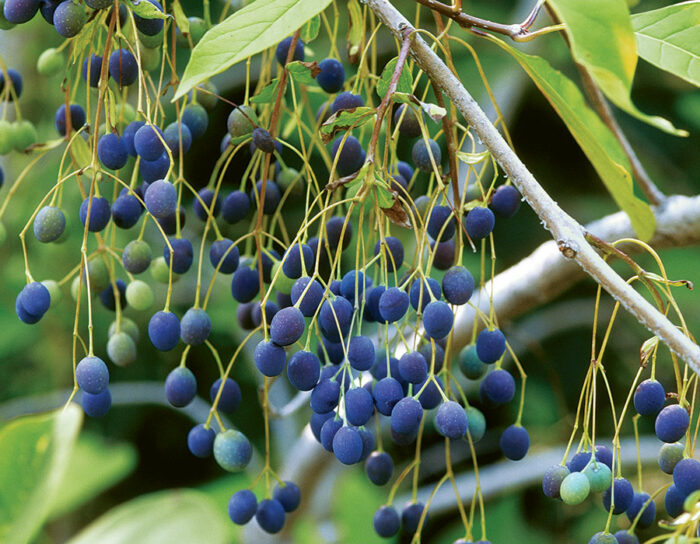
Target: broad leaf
{"type": "Point", "coordinates": [602, 39]}
{"type": "Point", "coordinates": [267, 94]}
{"type": "Point", "coordinates": [356, 30]}
{"type": "Point", "coordinates": [146, 10]}
{"type": "Point", "coordinates": [669, 38]}
{"type": "Point", "coordinates": [34, 454]}
{"type": "Point", "coordinates": [167, 516]}
{"type": "Point", "coordinates": [181, 19]}
{"type": "Point", "coordinates": [345, 120]}
{"type": "Point", "coordinates": [309, 32]}
{"type": "Point", "coordinates": [595, 139]}
{"type": "Point", "coordinates": [304, 72]}
{"type": "Point", "coordinates": [403, 85]}
{"type": "Point", "coordinates": [254, 28]}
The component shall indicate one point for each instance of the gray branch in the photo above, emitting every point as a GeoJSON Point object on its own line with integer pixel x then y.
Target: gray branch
{"type": "Point", "coordinates": [568, 234]}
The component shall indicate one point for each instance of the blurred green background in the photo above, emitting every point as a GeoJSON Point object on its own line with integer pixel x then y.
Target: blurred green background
{"type": "Point", "coordinates": [142, 448]}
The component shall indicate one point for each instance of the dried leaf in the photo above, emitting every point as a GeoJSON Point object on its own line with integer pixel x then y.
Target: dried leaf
{"type": "Point", "coordinates": [397, 214]}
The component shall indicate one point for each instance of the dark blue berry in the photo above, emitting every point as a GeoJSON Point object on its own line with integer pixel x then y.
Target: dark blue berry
{"type": "Point", "coordinates": [392, 248]}
{"type": "Point", "coordinates": [324, 396]}
{"type": "Point", "coordinates": [236, 207]}
{"type": "Point", "coordinates": [438, 319]}
{"type": "Point", "coordinates": [196, 119]}
{"type": "Point", "coordinates": [303, 370]}
{"type": "Point", "coordinates": [77, 118]}
{"type": "Point", "coordinates": [332, 75]}
{"type": "Point", "coordinates": [200, 440]}
{"type": "Point", "coordinates": [410, 517]}
{"type": "Point", "coordinates": [180, 387]}
{"type": "Point", "coordinates": [148, 142]}
{"type": "Point", "coordinates": [639, 505]}
{"type": "Point", "coordinates": [164, 330]}
{"type": "Point", "coordinates": [430, 397]}
{"type": "Point", "coordinates": [34, 299]}
{"type": "Point", "coordinates": [182, 257]}
{"type": "Point", "coordinates": [161, 199]}
{"type": "Point", "coordinates": [361, 353]}
{"type": "Point", "coordinates": [20, 11]}
{"type": "Point", "coordinates": [307, 297]}
{"type": "Point", "coordinates": [270, 516]}
{"type": "Point", "coordinates": [359, 406]}
{"type": "Point", "coordinates": [350, 155]}
{"type": "Point", "coordinates": [686, 476]}
{"type": "Point", "coordinates": [92, 375]}
{"type": "Point", "coordinates": [457, 285]}
{"type": "Point", "coordinates": [490, 345]}
{"type": "Point", "coordinates": [289, 495]}
{"type": "Point", "coordinates": [328, 431]}
{"type": "Point", "coordinates": [195, 327]}
{"type": "Point", "coordinates": [347, 101]}
{"type": "Point", "coordinates": [317, 421]}
{"type": "Point", "coordinates": [515, 442]}
{"type": "Point", "coordinates": [100, 213]}
{"type": "Point", "coordinates": [297, 260]}
{"type": "Point", "coordinates": [386, 522]}
{"type": "Point", "coordinates": [451, 420]}
{"type": "Point", "coordinates": [124, 69]}
{"type": "Point", "coordinates": [69, 19]}
{"type": "Point", "coordinates": [421, 155]}
{"type": "Point", "coordinates": [96, 405]}
{"type": "Point", "coordinates": [673, 501]}
{"type": "Point", "coordinates": [672, 423]}
{"type": "Point", "coordinates": [347, 445]}
{"type": "Point", "coordinates": [230, 398]}
{"type": "Point", "coordinates": [263, 140]}
{"type": "Point", "coordinates": [93, 65]}
{"type": "Point", "coordinates": [406, 416]}
{"type": "Point", "coordinates": [552, 479]}
{"type": "Point", "coordinates": [649, 398]}
{"type": "Point", "coordinates": [335, 318]}
{"type": "Point", "coordinates": [242, 506]}
{"type": "Point", "coordinates": [269, 358]}
{"type": "Point", "coordinates": [441, 223]}
{"type": "Point", "coordinates": [224, 255]}
{"type": "Point", "coordinates": [112, 152]}
{"type": "Point", "coordinates": [128, 136]}
{"type": "Point", "coordinates": [149, 27]}
{"type": "Point", "coordinates": [287, 326]}
{"type": "Point", "coordinates": [421, 291]}
{"type": "Point", "coordinates": [154, 170]}
{"type": "Point", "coordinates": [177, 135]}
{"type": "Point", "coordinates": [282, 50]}
{"type": "Point", "coordinates": [379, 467]}
{"type": "Point", "coordinates": [413, 367]}
{"type": "Point", "coordinates": [245, 284]}
{"type": "Point", "coordinates": [107, 296]}
{"type": "Point", "coordinates": [393, 304]}
{"type": "Point", "coordinates": [505, 201]}
{"type": "Point", "coordinates": [624, 493]}
{"type": "Point", "coordinates": [387, 392]}
{"type": "Point", "coordinates": [272, 197]}
{"type": "Point", "coordinates": [126, 211]}
{"type": "Point", "coordinates": [498, 387]}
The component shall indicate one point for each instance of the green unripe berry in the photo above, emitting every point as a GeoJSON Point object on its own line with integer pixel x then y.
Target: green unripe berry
{"type": "Point", "coordinates": [232, 450]}
{"type": "Point", "coordinates": [54, 291]}
{"type": "Point", "coordinates": [151, 41]}
{"type": "Point", "coordinates": [287, 177]}
{"type": "Point", "coordinates": [121, 349]}
{"type": "Point", "coordinates": [241, 121]}
{"type": "Point", "coordinates": [50, 62]}
{"type": "Point", "coordinates": [24, 135]}
{"type": "Point", "coordinates": [139, 295]}
{"type": "Point", "coordinates": [207, 100]}
{"type": "Point", "coordinates": [125, 113]}
{"type": "Point", "coordinates": [575, 488]}
{"type": "Point", "coordinates": [125, 325]}
{"type": "Point", "coordinates": [198, 27]}
{"type": "Point", "coordinates": [282, 282]}
{"type": "Point", "coordinates": [7, 142]}
{"type": "Point", "coordinates": [75, 285]}
{"type": "Point", "coordinates": [150, 58]}
{"type": "Point", "coordinates": [599, 476]}
{"type": "Point", "coordinates": [98, 275]}
{"type": "Point", "coordinates": [160, 271]}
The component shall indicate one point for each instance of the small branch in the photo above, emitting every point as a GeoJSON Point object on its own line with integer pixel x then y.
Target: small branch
{"type": "Point", "coordinates": [568, 234]}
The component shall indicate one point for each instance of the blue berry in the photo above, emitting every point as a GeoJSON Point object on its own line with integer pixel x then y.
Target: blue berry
{"type": "Point", "coordinates": [407, 120]}
{"type": "Point", "coordinates": [624, 537]}
{"type": "Point", "coordinates": [154, 170]}
{"type": "Point", "coordinates": [405, 170]}
{"type": "Point", "coordinates": [361, 353]}
{"type": "Point", "coordinates": [100, 213]}
{"type": "Point", "coordinates": [112, 151]}
{"type": "Point", "coordinates": [269, 358]}
{"type": "Point", "coordinates": [515, 442]}
{"type": "Point", "coordinates": [195, 117]}
{"type": "Point", "coordinates": [347, 445]}
{"type": "Point", "coordinates": [242, 506]}
{"type": "Point", "coordinates": [552, 479]}
{"type": "Point", "coordinates": [180, 387]}
{"type": "Point", "coordinates": [393, 304]}
{"type": "Point", "coordinates": [282, 50]}
{"type": "Point", "coordinates": [441, 224]}
{"type": "Point", "coordinates": [421, 155]}
{"type": "Point", "coordinates": [33, 302]}
{"type": "Point", "coordinates": [328, 431]}
{"type": "Point", "coordinates": [77, 118]}
{"type": "Point", "coordinates": [413, 367]}
{"type": "Point", "coordinates": [338, 232]}
{"type": "Point", "coordinates": [93, 65]}
{"type": "Point", "coordinates": [379, 468]}
{"type": "Point", "coordinates": [359, 406]}
{"type": "Point", "coordinates": [20, 11]}
{"type": "Point", "coordinates": [498, 387]}
{"type": "Point", "coordinates": [292, 264]}
{"type": "Point", "coordinates": [272, 197]}
{"type": "Point", "coordinates": [673, 502]}
{"type": "Point", "coordinates": [232, 450]}
{"type": "Point", "coordinates": [200, 440]}
{"type": "Point", "coordinates": [324, 396]}
{"type": "Point", "coordinates": [270, 516]}
{"type": "Point", "coordinates": [164, 330]}
{"type": "Point", "coordinates": [263, 140]}
{"type": "Point", "coordinates": [223, 251]}
{"type": "Point", "coordinates": [245, 284]}
{"type": "Point", "coordinates": [307, 298]}
{"type": "Point", "coordinates": [287, 326]}
{"type": "Point", "coordinates": [107, 295]}
{"type": "Point", "coordinates": [149, 27]}
{"type": "Point", "coordinates": [649, 398]}
{"type": "Point", "coordinates": [421, 291]}
{"type": "Point", "coordinates": [639, 505]}
{"type": "Point", "coordinates": [317, 421]}
{"type": "Point", "coordinates": [128, 136]}
{"type": "Point", "coordinates": [457, 285]}
{"type": "Point", "coordinates": [335, 318]}
{"type": "Point", "coordinates": [182, 257]}
{"type": "Point", "coordinates": [271, 310]}
{"type": "Point", "coordinates": [430, 397]}
{"type": "Point", "coordinates": [490, 345]}
{"type": "Point", "coordinates": [347, 101]}
{"type": "Point", "coordinates": [438, 319]}
{"type": "Point", "coordinates": [350, 155]}
{"type": "Point", "coordinates": [96, 405]}
{"type": "Point", "coordinates": [124, 69]}
{"type": "Point", "coordinates": [624, 493]}
{"type": "Point", "coordinates": [289, 495]}
{"type": "Point", "coordinates": [451, 420]}
{"type": "Point", "coordinates": [387, 392]}
{"type": "Point", "coordinates": [505, 201]}
{"type": "Point", "coordinates": [386, 522]}
{"type": "Point", "coordinates": [195, 327]}
{"type": "Point", "coordinates": [672, 423]}
{"type": "Point", "coordinates": [603, 538]}
{"type": "Point", "coordinates": [206, 196]}
{"type": "Point", "coordinates": [49, 224]}
{"type": "Point", "coordinates": [410, 517]}
{"type": "Point", "coordinates": [236, 207]}
{"type": "Point", "coordinates": [92, 375]}
{"type": "Point", "coordinates": [686, 476]}
{"type": "Point", "coordinates": [406, 416]}
{"type": "Point", "coordinates": [303, 370]}
{"type": "Point", "coordinates": [392, 248]}
{"type": "Point", "coordinates": [161, 199]}
{"type": "Point", "coordinates": [175, 135]}
{"type": "Point", "coordinates": [126, 211]}
{"type": "Point", "coordinates": [332, 75]}
{"type": "Point", "coordinates": [148, 142]}
{"type": "Point", "coordinates": [230, 398]}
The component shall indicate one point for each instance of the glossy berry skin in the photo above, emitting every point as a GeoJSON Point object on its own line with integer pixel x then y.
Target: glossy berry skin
{"type": "Point", "coordinates": [451, 420]}
{"type": "Point", "coordinates": [195, 327]}
{"type": "Point", "coordinates": [20, 11]}
{"type": "Point", "coordinates": [669, 456]}
{"type": "Point", "coordinates": [289, 496]}
{"type": "Point", "coordinates": [479, 223]}
{"type": "Point", "coordinates": [69, 19]}
{"type": "Point", "coordinates": [649, 398]}
{"type": "Point", "coordinates": [379, 468]}
{"type": "Point", "coordinates": [287, 326]}
{"type": "Point", "coordinates": [420, 293]}
{"type": "Point", "coordinates": [272, 197]}
{"type": "Point", "coordinates": [235, 207]}
{"type": "Point", "coordinates": [149, 27]}
{"type": "Point", "coordinates": [148, 143]}
{"type": "Point", "coordinates": [100, 213]}
{"type": "Point", "coordinates": [200, 441]}
{"type": "Point", "coordinates": [332, 75]}
{"type": "Point", "coordinates": [386, 522]}
{"type": "Point", "coordinates": [441, 224]}
{"type": "Point", "coordinates": [308, 298]}
{"type": "Point", "coordinates": [124, 69]}
{"type": "Point", "coordinates": [155, 170]}
{"type": "Point", "coordinates": [242, 506]}
{"type": "Point", "coordinates": [282, 50]}
{"type": "Point", "coordinates": [221, 251]}
{"type": "Point", "coordinates": [552, 480]}
{"type": "Point", "coordinates": [93, 65]}
{"type": "Point", "coordinates": [49, 224]}
{"type": "Point", "coordinates": [136, 256]}
{"type": "Point", "coordinates": [624, 493]}
{"type": "Point", "coordinates": [498, 387]}
{"type": "Point", "coordinates": [232, 450]}
{"type": "Point", "coordinates": [350, 155]}
{"type": "Point", "coordinates": [438, 319]}
{"type": "Point", "coordinates": [303, 370]}
{"type": "Point", "coordinates": [407, 122]}
{"type": "Point", "coordinates": [77, 118]}
{"type": "Point", "coordinates": [673, 501]}
{"type": "Point", "coordinates": [393, 304]}
{"type": "Point", "coordinates": [672, 423]}
{"type": "Point", "coordinates": [347, 101]}
{"type": "Point", "coordinates": [96, 405]}
{"type": "Point", "coordinates": [195, 117]}
{"type": "Point", "coordinates": [245, 284]}
{"type": "Point", "coordinates": [182, 257]}
{"type": "Point", "coordinates": [126, 211]}
{"type": "Point", "coordinates": [410, 517]}
{"type": "Point", "coordinates": [406, 416]}
{"type": "Point", "coordinates": [361, 353]}
{"type": "Point", "coordinates": [92, 375]}
{"type": "Point", "coordinates": [515, 442]}
{"type": "Point", "coordinates": [112, 151]}
{"type": "Point", "coordinates": [505, 202]}
{"type": "Point", "coordinates": [421, 155]}
{"type": "Point", "coordinates": [230, 398]}
{"type": "Point", "coordinates": [347, 445]}
{"type": "Point", "coordinates": [164, 330]}
{"type": "Point", "coordinates": [413, 367]}
{"type": "Point", "coordinates": [128, 136]}
{"type": "Point", "coordinates": [574, 488]}
{"type": "Point", "coordinates": [686, 476]}
{"type": "Point", "coordinates": [387, 392]}
{"type": "Point", "coordinates": [335, 318]}
{"type": "Point", "coordinates": [639, 505]}
{"type": "Point", "coordinates": [161, 199]}
{"type": "Point", "coordinates": [270, 516]}
{"type": "Point", "coordinates": [393, 251]}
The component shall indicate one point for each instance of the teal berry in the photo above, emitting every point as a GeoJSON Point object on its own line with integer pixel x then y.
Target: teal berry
{"type": "Point", "coordinates": [599, 476]}
{"type": "Point", "coordinates": [575, 488]}
{"type": "Point", "coordinates": [470, 364]}
{"type": "Point", "coordinates": [603, 538]}
{"type": "Point", "coordinates": [476, 423]}
{"type": "Point", "coordinates": [121, 349]}
{"type": "Point", "coordinates": [49, 224]}
{"type": "Point", "coordinates": [669, 455]}
{"type": "Point", "coordinates": [232, 450]}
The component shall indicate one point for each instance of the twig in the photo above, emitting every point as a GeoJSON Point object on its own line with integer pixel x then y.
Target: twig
{"type": "Point", "coordinates": [565, 230]}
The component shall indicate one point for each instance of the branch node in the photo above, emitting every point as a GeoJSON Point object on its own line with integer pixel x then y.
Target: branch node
{"type": "Point", "coordinates": [568, 248]}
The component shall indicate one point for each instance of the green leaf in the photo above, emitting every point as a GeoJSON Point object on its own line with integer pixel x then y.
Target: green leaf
{"type": "Point", "coordinates": [94, 466]}
{"type": "Point", "coordinates": [595, 139]}
{"type": "Point", "coordinates": [181, 20]}
{"type": "Point", "coordinates": [167, 516]}
{"type": "Point", "coordinates": [146, 10]}
{"type": "Point", "coordinates": [303, 72]}
{"type": "Point", "coordinates": [404, 84]}
{"type": "Point", "coordinates": [309, 32]}
{"type": "Point", "coordinates": [267, 94]}
{"type": "Point", "coordinates": [669, 38]}
{"type": "Point", "coordinates": [602, 39]}
{"type": "Point", "coordinates": [81, 151]}
{"type": "Point", "coordinates": [34, 454]}
{"type": "Point", "coordinates": [345, 120]}
{"type": "Point", "coordinates": [254, 28]}
{"type": "Point", "coordinates": [472, 158]}
{"type": "Point", "coordinates": [356, 31]}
